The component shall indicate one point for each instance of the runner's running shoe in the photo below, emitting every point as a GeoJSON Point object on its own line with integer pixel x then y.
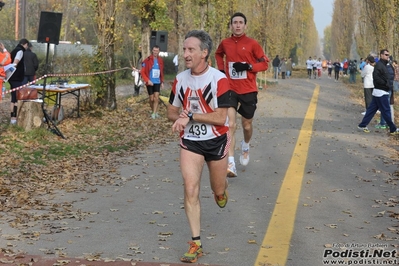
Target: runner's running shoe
{"type": "Point", "coordinates": [396, 132]}
{"type": "Point", "coordinates": [221, 201]}
{"type": "Point", "coordinates": [193, 253]}
{"type": "Point", "coordinates": [379, 126]}
{"type": "Point", "coordinates": [364, 129]}
{"type": "Point", "coordinates": [231, 170]}
{"type": "Point", "coordinates": [244, 157]}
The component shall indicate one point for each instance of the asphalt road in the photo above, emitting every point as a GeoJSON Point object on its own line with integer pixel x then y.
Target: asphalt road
{"type": "Point", "coordinates": [314, 184]}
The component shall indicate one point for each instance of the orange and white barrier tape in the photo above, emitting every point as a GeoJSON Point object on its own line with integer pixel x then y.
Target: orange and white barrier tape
{"type": "Point", "coordinates": [69, 75]}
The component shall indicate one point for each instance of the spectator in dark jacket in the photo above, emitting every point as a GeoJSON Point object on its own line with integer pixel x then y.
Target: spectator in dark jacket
{"type": "Point", "coordinates": [383, 83]}
{"type": "Point", "coordinates": [276, 65]}
{"type": "Point", "coordinates": [31, 64]}
{"type": "Point", "coordinates": [17, 79]}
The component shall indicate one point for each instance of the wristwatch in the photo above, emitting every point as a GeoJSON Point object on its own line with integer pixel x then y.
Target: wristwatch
{"type": "Point", "coordinates": [250, 67]}
{"type": "Point", "coordinates": [190, 116]}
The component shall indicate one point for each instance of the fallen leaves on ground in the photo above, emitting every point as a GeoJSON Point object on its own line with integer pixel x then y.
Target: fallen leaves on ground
{"type": "Point", "coordinates": [95, 145]}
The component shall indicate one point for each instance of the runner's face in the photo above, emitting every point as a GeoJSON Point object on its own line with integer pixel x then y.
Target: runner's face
{"type": "Point", "coordinates": [155, 51]}
{"type": "Point", "coordinates": [193, 56]}
{"type": "Point", "coordinates": [238, 26]}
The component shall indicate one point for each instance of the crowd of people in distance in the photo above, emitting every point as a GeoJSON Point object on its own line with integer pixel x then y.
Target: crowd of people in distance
{"type": "Point", "coordinates": [380, 78]}
{"type": "Point", "coordinates": [282, 66]}
{"type": "Point", "coordinates": [315, 66]}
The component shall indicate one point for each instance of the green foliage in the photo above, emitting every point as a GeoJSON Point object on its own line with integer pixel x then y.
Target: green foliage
{"type": "Point", "coordinates": [284, 27]}
{"type": "Point", "coordinates": [369, 24]}
{"type": "Point", "coordinates": [169, 67]}
{"type": "Point", "coordinates": [342, 29]}
{"type": "Point", "coordinates": [327, 43]}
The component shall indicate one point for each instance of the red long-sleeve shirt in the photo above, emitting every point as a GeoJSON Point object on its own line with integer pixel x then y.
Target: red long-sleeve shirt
{"type": "Point", "coordinates": [146, 67]}
{"type": "Point", "coordinates": [241, 49]}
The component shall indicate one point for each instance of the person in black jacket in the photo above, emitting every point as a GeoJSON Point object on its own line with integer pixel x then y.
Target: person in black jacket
{"type": "Point", "coordinates": [276, 65]}
{"type": "Point", "coordinates": [383, 81]}
{"type": "Point", "coordinates": [31, 64]}
{"type": "Point", "coordinates": [16, 80]}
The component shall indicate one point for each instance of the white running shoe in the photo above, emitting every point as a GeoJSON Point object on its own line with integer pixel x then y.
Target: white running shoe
{"type": "Point", "coordinates": [244, 157]}
{"type": "Point", "coordinates": [363, 113]}
{"type": "Point", "coordinates": [231, 170]}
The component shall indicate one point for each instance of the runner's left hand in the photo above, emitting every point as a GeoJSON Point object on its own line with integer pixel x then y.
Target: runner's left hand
{"type": "Point", "coordinates": [238, 66]}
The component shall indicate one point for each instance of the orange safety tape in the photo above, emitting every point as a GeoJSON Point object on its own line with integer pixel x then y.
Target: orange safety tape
{"type": "Point", "coordinates": [69, 75]}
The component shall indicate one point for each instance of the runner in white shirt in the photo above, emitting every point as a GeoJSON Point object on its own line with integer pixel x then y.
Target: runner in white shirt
{"type": "Point", "coordinates": [309, 66]}
{"type": "Point", "coordinates": [199, 101]}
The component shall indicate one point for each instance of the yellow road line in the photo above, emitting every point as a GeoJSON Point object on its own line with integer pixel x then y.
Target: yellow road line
{"type": "Point", "coordinates": [276, 244]}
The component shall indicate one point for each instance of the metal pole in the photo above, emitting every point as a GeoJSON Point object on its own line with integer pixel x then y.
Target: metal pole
{"type": "Point", "coordinates": [16, 19]}
{"type": "Point", "coordinates": [49, 120]}
{"type": "Point", "coordinates": [23, 18]}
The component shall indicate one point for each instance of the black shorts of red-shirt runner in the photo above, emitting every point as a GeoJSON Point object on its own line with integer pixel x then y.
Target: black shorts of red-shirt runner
{"type": "Point", "coordinates": [154, 88]}
{"type": "Point", "coordinates": [212, 149]}
{"type": "Point", "coordinates": [245, 104]}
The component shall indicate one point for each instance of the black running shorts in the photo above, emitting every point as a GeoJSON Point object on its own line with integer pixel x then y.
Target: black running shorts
{"type": "Point", "coordinates": [212, 149]}
{"type": "Point", "coordinates": [247, 103]}
{"type": "Point", "coordinates": [154, 88]}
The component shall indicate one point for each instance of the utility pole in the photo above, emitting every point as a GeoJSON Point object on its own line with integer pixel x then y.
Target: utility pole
{"type": "Point", "coordinates": [23, 19]}
{"type": "Point", "coordinates": [20, 11]}
{"type": "Point", "coordinates": [16, 19]}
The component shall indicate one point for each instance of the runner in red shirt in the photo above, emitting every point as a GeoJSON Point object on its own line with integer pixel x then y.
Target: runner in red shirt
{"type": "Point", "coordinates": [152, 74]}
{"type": "Point", "coordinates": [240, 58]}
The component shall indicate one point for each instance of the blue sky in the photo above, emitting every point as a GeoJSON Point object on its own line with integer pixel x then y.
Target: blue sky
{"type": "Point", "coordinates": [323, 10]}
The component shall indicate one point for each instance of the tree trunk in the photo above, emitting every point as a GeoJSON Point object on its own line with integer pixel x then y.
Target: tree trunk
{"type": "Point", "coordinates": [105, 16]}
{"type": "Point", "coordinates": [145, 42]}
{"type": "Point", "coordinates": [30, 114]}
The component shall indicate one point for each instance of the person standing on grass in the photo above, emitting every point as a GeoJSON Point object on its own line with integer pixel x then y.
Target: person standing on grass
{"type": "Point", "coordinates": [352, 71]}
{"type": "Point", "coordinates": [152, 74]}
{"type": "Point", "coordinates": [391, 70]}
{"type": "Point", "coordinates": [31, 64]}
{"type": "Point", "coordinates": [276, 67]}
{"type": "Point", "coordinates": [383, 79]}
{"type": "Point", "coordinates": [368, 85]}
{"type": "Point", "coordinates": [289, 67]}
{"type": "Point", "coordinates": [241, 58]}
{"type": "Point", "coordinates": [396, 79]}
{"type": "Point", "coordinates": [199, 100]}
{"type": "Point", "coordinates": [283, 67]}
{"type": "Point", "coordinates": [5, 59]}
{"type": "Point", "coordinates": [17, 79]}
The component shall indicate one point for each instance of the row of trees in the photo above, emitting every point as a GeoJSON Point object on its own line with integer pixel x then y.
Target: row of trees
{"type": "Point", "coordinates": [362, 27]}
{"type": "Point", "coordinates": [283, 27]}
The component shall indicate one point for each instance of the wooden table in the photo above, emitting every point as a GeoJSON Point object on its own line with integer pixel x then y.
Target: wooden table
{"type": "Point", "coordinates": [60, 91]}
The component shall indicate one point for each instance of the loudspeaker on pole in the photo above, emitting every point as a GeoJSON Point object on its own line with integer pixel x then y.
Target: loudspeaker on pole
{"type": "Point", "coordinates": [159, 38]}
{"type": "Point", "coordinates": [49, 27]}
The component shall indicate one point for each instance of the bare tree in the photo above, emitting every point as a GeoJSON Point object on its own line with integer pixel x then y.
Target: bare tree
{"type": "Point", "coordinates": [105, 14]}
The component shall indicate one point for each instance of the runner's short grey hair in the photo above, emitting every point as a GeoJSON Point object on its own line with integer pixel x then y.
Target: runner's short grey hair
{"type": "Point", "coordinates": [203, 36]}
